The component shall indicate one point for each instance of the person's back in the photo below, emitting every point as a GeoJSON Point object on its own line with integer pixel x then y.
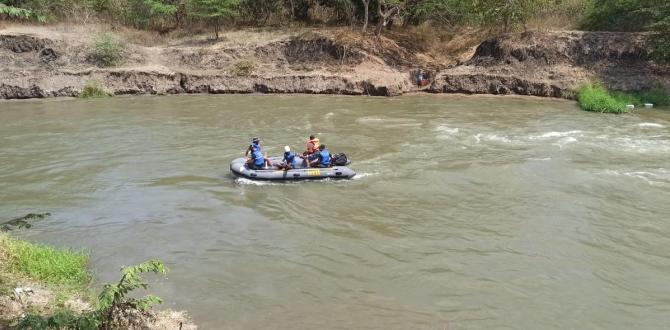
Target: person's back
{"type": "Point", "coordinates": [258, 158]}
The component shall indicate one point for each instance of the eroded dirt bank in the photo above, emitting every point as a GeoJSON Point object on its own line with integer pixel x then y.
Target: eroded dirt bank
{"type": "Point", "coordinates": [37, 62]}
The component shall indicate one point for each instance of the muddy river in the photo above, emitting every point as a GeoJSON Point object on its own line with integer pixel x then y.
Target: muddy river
{"type": "Point", "coordinates": [467, 212]}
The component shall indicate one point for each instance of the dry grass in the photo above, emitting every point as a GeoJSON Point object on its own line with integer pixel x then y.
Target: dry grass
{"type": "Point", "coordinates": [243, 67]}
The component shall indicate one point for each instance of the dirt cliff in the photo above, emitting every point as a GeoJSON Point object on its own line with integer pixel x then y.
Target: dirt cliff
{"type": "Point", "coordinates": [554, 64]}
{"type": "Point", "coordinates": [38, 62]}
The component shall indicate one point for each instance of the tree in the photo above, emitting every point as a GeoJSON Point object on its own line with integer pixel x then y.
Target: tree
{"type": "Point", "coordinates": [20, 13]}
{"type": "Point", "coordinates": [366, 5]}
{"type": "Point", "coordinates": [214, 11]}
{"type": "Point", "coordinates": [386, 9]}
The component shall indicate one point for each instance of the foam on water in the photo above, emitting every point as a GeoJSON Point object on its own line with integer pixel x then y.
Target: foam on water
{"type": "Point", "coordinates": [660, 176]}
{"type": "Point", "coordinates": [650, 125]}
{"type": "Point", "coordinates": [554, 134]}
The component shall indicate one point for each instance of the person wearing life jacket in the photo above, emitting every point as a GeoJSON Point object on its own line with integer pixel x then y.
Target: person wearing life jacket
{"type": "Point", "coordinates": [312, 145]}
{"type": "Point", "coordinates": [255, 144]}
{"type": "Point", "coordinates": [322, 159]}
{"type": "Point", "coordinates": [289, 161]}
{"type": "Point", "coordinates": [257, 160]}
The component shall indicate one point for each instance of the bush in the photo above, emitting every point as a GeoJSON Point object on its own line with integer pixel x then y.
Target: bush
{"type": "Point", "coordinates": [595, 97]}
{"type": "Point", "coordinates": [107, 50]}
{"type": "Point", "coordinates": [243, 67]}
{"type": "Point", "coordinates": [94, 89]}
{"type": "Point", "coordinates": [113, 303]}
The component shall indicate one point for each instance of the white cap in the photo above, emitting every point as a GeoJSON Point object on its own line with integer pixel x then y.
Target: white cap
{"type": "Point", "coordinates": [287, 149]}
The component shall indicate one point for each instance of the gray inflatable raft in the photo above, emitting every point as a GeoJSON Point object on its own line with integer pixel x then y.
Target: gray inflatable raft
{"type": "Point", "coordinates": [238, 168]}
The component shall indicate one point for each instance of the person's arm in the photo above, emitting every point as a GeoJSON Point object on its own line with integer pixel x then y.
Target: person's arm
{"type": "Point", "coordinates": [246, 153]}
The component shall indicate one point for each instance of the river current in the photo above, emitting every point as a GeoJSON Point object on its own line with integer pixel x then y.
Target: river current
{"type": "Point", "coordinates": [467, 212]}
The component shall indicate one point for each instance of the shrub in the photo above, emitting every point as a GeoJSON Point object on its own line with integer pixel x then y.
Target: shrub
{"type": "Point", "coordinates": [107, 50]}
{"type": "Point", "coordinates": [93, 89]}
{"type": "Point", "coordinates": [243, 67]}
{"type": "Point", "coordinates": [113, 302]}
{"type": "Point", "coordinates": [595, 97]}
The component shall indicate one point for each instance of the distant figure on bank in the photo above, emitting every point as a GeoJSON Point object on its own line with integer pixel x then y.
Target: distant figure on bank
{"type": "Point", "coordinates": [289, 161]}
{"type": "Point", "coordinates": [322, 157]}
{"type": "Point", "coordinates": [257, 160]}
{"type": "Point", "coordinates": [312, 145]}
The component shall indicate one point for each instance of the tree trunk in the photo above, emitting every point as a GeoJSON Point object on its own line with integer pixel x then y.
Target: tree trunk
{"type": "Point", "coordinates": [366, 4]}
{"type": "Point", "coordinates": [384, 17]}
{"type": "Point", "coordinates": [216, 29]}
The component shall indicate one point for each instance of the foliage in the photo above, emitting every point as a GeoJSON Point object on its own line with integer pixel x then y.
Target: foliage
{"type": "Point", "coordinates": [114, 295]}
{"type": "Point", "coordinates": [113, 298]}
{"type": "Point", "coordinates": [107, 50]}
{"type": "Point", "coordinates": [595, 97]}
{"type": "Point", "coordinates": [20, 13]}
{"type": "Point", "coordinates": [633, 15]}
{"type": "Point", "coordinates": [62, 319]}
{"type": "Point", "coordinates": [150, 13]}
{"type": "Point", "coordinates": [214, 11]}
{"type": "Point", "coordinates": [93, 89]}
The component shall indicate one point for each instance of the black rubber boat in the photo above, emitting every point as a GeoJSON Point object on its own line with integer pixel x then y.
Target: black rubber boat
{"type": "Point", "coordinates": [239, 168]}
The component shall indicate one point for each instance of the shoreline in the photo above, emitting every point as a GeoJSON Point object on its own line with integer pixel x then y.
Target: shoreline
{"type": "Point", "coordinates": [41, 63]}
{"type": "Point", "coordinates": [38, 282]}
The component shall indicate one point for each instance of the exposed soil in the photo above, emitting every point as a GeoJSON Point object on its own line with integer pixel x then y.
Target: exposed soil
{"type": "Point", "coordinates": [42, 300]}
{"type": "Point", "coordinates": [40, 62]}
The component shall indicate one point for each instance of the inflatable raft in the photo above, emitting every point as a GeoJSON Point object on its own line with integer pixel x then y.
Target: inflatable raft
{"type": "Point", "coordinates": [238, 168]}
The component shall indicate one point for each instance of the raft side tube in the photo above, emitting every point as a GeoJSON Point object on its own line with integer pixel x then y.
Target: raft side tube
{"type": "Point", "coordinates": [238, 168]}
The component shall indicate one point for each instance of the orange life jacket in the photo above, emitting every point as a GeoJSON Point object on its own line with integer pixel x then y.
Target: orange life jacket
{"type": "Point", "coordinates": [313, 145]}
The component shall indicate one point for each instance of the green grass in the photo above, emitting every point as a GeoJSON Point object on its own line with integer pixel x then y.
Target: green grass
{"type": "Point", "coordinates": [595, 97]}
{"type": "Point", "coordinates": [45, 264]}
{"type": "Point", "coordinates": [94, 89]}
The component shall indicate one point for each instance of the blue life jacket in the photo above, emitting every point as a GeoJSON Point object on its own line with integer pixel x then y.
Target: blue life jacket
{"type": "Point", "coordinates": [289, 158]}
{"type": "Point", "coordinates": [254, 146]}
{"type": "Point", "coordinates": [257, 156]}
{"type": "Point", "coordinates": [325, 157]}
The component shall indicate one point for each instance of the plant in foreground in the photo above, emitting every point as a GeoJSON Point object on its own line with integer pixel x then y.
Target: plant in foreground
{"type": "Point", "coordinates": [113, 303]}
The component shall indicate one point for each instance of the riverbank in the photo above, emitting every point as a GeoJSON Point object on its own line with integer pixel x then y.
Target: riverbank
{"type": "Point", "coordinates": [42, 61]}
{"type": "Point", "coordinates": [37, 281]}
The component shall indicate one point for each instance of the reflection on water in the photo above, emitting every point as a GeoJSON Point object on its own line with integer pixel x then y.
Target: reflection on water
{"type": "Point", "coordinates": [468, 212]}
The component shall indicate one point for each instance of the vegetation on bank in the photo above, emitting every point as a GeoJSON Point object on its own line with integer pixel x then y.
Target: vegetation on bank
{"type": "Point", "coordinates": [595, 97]}
{"type": "Point", "coordinates": [94, 89]}
{"type": "Point", "coordinates": [494, 15]}
{"type": "Point", "coordinates": [107, 50]}
{"type": "Point", "coordinates": [64, 273]}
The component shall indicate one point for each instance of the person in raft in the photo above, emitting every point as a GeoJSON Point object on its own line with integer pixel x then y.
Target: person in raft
{"type": "Point", "coordinates": [257, 160]}
{"type": "Point", "coordinates": [312, 145]}
{"type": "Point", "coordinates": [322, 158]}
{"type": "Point", "coordinates": [289, 161]}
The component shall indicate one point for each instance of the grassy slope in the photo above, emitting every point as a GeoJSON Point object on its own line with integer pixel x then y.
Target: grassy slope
{"type": "Point", "coordinates": [62, 271]}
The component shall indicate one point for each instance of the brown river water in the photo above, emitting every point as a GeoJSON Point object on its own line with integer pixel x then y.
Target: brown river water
{"type": "Point", "coordinates": [469, 212]}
